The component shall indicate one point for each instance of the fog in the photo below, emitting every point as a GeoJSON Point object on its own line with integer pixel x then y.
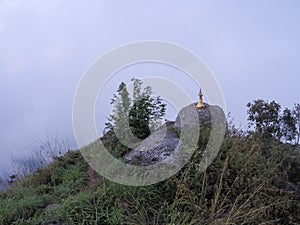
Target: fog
{"type": "Point", "coordinates": [46, 46]}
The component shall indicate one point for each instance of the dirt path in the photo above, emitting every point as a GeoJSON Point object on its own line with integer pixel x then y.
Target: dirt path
{"type": "Point", "coordinates": [94, 178]}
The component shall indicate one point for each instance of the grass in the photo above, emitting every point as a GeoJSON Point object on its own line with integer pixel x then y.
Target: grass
{"type": "Point", "coordinates": [240, 187]}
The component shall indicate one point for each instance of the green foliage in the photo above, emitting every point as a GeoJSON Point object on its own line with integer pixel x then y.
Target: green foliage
{"type": "Point", "coordinates": [146, 112]}
{"type": "Point", "coordinates": [118, 120]}
{"type": "Point", "coordinates": [246, 184]}
{"type": "Point", "coordinates": [264, 116]}
{"type": "Point", "coordinates": [253, 180]}
{"type": "Point", "coordinates": [267, 121]}
{"type": "Point", "coordinates": [133, 119]}
{"type": "Point", "coordinates": [296, 115]}
{"type": "Point", "coordinates": [28, 198]}
{"type": "Point", "coordinates": [22, 204]}
{"type": "Point", "coordinates": [288, 128]}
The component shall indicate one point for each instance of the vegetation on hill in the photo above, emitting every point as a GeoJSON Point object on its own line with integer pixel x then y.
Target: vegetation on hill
{"type": "Point", "coordinates": [133, 118]}
{"type": "Point", "coordinates": [253, 180]}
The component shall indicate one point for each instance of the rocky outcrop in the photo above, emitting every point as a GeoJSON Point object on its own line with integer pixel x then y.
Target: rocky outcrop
{"type": "Point", "coordinates": [165, 146]}
{"type": "Point", "coordinates": [189, 115]}
{"type": "Point", "coordinates": [160, 146]}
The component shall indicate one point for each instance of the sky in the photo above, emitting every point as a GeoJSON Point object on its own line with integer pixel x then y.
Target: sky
{"type": "Point", "coordinates": [252, 47]}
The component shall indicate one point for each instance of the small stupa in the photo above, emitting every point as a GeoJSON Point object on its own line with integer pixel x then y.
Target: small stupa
{"type": "Point", "coordinates": [200, 104]}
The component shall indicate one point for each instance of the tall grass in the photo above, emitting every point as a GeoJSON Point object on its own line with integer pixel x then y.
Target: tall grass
{"type": "Point", "coordinates": [41, 154]}
{"type": "Point", "coordinates": [240, 187]}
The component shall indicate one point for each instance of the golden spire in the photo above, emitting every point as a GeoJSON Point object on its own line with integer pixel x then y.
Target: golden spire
{"type": "Point", "coordinates": [200, 104]}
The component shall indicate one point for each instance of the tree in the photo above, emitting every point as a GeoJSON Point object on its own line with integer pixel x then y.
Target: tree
{"type": "Point", "coordinates": [288, 127]}
{"type": "Point", "coordinates": [296, 114]}
{"type": "Point", "coordinates": [147, 112]}
{"type": "Point", "coordinates": [264, 117]}
{"type": "Point", "coordinates": [118, 120]}
{"type": "Point", "coordinates": [137, 116]}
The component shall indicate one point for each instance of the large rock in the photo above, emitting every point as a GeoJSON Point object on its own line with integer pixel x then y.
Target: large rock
{"type": "Point", "coordinates": [189, 115]}
{"type": "Point", "coordinates": [160, 146]}
{"type": "Point", "coordinates": [165, 146]}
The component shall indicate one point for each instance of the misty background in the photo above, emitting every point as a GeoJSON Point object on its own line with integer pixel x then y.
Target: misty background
{"type": "Point", "coordinates": [46, 46]}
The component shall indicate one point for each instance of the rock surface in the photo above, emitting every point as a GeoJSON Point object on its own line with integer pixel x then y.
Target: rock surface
{"type": "Point", "coordinates": [159, 146]}
{"type": "Point", "coordinates": [165, 146]}
{"type": "Point", "coordinates": [188, 116]}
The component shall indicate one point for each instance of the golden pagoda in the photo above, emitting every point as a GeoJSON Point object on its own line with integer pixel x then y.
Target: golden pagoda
{"type": "Point", "coordinates": [200, 104]}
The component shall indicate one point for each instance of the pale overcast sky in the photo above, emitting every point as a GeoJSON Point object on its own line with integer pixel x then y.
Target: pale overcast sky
{"type": "Point", "coordinates": [46, 46]}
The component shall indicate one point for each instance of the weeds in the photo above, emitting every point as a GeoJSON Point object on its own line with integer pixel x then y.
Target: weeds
{"type": "Point", "coordinates": [240, 187]}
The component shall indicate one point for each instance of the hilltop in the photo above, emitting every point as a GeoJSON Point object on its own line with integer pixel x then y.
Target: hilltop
{"type": "Point", "coordinates": [253, 180]}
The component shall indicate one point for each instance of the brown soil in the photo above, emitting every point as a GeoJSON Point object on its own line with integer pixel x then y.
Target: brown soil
{"type": "Point", "coordinates": [94, 178]}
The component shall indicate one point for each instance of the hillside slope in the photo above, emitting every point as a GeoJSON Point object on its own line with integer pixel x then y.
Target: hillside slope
{"type": "Point", "coordinates": [252, 181]}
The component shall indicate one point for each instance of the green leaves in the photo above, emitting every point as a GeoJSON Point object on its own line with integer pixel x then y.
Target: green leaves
{"type": "Point", "coordinates": [267, 120]}
{"type": "Point", "coordinates": [133, 119]}
{"type": "Point", "coordinates": [296, 115]}
{"type": "Point", "coordinates": [288, 125]}
{"type": "Point", "coordinates": [264, 116]}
